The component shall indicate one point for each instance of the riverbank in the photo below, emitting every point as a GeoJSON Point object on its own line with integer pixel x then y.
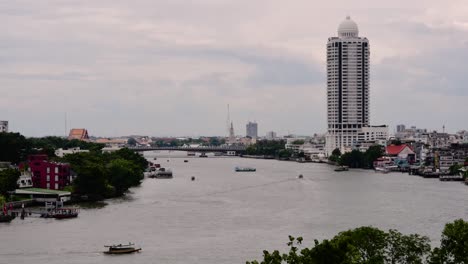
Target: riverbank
{"type": "Point", "coordinates": [202, 221]}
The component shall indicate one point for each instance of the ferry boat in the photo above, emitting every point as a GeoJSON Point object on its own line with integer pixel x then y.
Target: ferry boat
{"type": "Point", "coordinates": [64, 213]}
{"type": "Point", "coordinates": [244, 169]}
{"type": "Point", "coordinates": [61, 213]}
{"type": "Point", "coordinates": [162, 173]}
{"type": "Point", "coordinates": [122, 249]}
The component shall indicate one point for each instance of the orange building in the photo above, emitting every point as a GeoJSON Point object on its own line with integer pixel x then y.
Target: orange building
{"type": "Point", "coordinates": [78, 133]}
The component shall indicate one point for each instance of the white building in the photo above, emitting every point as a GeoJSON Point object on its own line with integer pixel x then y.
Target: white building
{"type": "Point", "coordinates": [4, 126]}
{"type": "Point", "coordinates": [373, 133]}
{"type": "Point", "coordinates": [295, 143]}
{"type": "Point", "coordinates": [347, 86]}
{"type": "Point", "coordinates": [251, 130]}
{"type": "Point", "coordinates": [62, 152]}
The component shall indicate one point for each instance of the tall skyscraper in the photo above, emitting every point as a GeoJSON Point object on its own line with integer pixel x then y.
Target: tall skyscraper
{"type": "Point", "coordinates": [252, 130]}
{"type": "Point", "coordinates": [347, 86]}
{"type": "Point", "coordinates": [3, 126]}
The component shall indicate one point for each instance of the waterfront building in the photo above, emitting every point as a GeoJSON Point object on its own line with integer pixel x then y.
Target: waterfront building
{"type": "Point", "coordinates": [47, 174]}
{"type": "Point", "coordinates": [3, 126]}
{"type": "Point", "coordinates": [347, 86]}
{"type": "Point", "coordinates": [271, 135]}
{"type": "Point", "coordinates": [402, 151]}
{"type": "Point", "coordinates": [78, 133]}
{"type": "Point", "coordinates": [373, 133]}
{"type": "Point", "coordinates": [252, 130]}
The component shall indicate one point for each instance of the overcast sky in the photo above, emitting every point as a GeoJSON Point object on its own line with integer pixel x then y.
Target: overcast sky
{"type": "Point", "coordinates": [171, 67]}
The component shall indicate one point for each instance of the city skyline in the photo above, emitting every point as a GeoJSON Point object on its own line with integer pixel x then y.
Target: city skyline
{"type": "Point", "coordinates": [161, 68]}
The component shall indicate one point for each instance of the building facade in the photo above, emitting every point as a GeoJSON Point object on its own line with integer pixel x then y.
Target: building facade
{"type": "Point", "coordinates": [373, 133]}
{"type": "Point", "coordinates": [251, 130]}
{"type": "Point", "coordinates": [4, 126]}
{"type": "Point", "coordinates": [78, 133]}
{"type": "Point", "coordinates": [47, 174]}
{"type": "Point", "coordinates": [347, 86]}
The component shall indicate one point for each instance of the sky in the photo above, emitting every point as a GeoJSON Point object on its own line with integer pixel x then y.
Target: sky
{"type": "Point", "coordinates": [163, 68]}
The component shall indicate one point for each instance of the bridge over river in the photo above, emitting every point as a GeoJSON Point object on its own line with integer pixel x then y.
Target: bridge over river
{"type": "Point", "coordinates": [233, 150]}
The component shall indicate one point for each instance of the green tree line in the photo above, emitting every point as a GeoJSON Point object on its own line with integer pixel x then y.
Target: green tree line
{"type": "Point", "coordinates": [104, 175]}
{"type": "Point", "coordinates": [16, 147]}
{"type": "Point", "coordinates": [369, 245]}
{"type": "Point", "coordinates": [356, 158]}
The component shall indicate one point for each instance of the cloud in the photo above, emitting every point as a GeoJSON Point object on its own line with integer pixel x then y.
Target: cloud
{"type": "Point", "coordinates": [171, 67]}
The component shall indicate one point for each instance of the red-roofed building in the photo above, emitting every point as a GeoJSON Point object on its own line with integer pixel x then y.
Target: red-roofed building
{"type": "Point", "coordinates": [47, 174]}
{"type": "Point", "coordinates": [78, 133]}
{"type": "Point", "coordinates": [400, 151]}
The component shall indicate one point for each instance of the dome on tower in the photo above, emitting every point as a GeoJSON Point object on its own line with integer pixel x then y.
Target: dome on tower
{"type": "Point", "coordinates": [348, 28]}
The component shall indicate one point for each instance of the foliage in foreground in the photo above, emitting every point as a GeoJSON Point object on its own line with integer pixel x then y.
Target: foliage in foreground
{"type": "Point", "coordinates": [369, 245]}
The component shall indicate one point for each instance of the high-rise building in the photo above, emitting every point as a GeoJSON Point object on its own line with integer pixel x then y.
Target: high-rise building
{"type": "Point", "coordinates": [271, 135]}
{"type": "Point", "coordinates": [252, 130]}
{"type": "Point", "coordinates": [400, 128]}
{"type": "Point", "coordinates": [347, 86]}
{"type": "Point", "coordinates": [4, 126]}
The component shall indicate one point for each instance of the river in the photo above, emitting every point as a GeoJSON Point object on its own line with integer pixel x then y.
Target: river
{"type": "Point", "coordinates": [229, 217]}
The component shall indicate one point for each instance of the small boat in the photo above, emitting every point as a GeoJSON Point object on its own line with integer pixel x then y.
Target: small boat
{"type": "Point", "coordinates": [190, 154]}
{"type": "Point", "coordinates": [244, 169]}
{"type": "Point", "coordinates": [122, 249]}
{"type": "Point", "coordinates": [61, 213]}
{"type": "Point", "coordinates": [342, 168]}
{"type": "Point", "coordinates": [203, 155]}
{"type": "Point", "coordinates": [64, 213]}
{"type": "Point", "coordinates": [6, 218]}
{"type": "Point", "coordinates": [185, 160]}
{"type": "Point", "coordinates": [382, 169]}
{"type": "Point", "coordinates": [155, 158]}
{"type": "Point", "coordinates": [161, 173]}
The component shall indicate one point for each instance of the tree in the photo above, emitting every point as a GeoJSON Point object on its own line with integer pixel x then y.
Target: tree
{"type": "Point", "coordinates": [372, 154]}
{"type": "Point", "coordinates": [8, 180]}
{"type": "Point", "coordinates": [123, 174]}
{"type": "Point", "coordinates": [14, 147]}
{"type": "Point", "coordinates": [335, 156]}
{"type": "Point", "coordinates": [298, 142]}
{"type": "Point", "coordinates": [453, 245]}
{"type": "Point", "coordinates": [406, 248]}
{"type": "Point", "coordinates": [336, 152]}
{"type": "Point", "coordinates": [364, 245]}
{"type": "Point", "coordinates": [91, 179]}
{"type": "Point", "coordinates": [454, 169]}
{"type": "Point", "coordinates": [353, 159]}
{"type": "Point", "coordinates": [132, 142]}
